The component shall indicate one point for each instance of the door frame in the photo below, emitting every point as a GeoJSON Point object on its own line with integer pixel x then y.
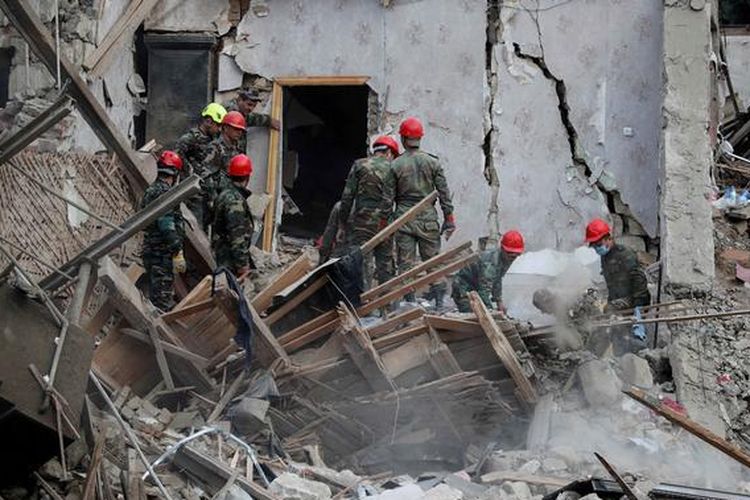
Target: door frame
{"type": "Point", "coordinates": [271, 219]}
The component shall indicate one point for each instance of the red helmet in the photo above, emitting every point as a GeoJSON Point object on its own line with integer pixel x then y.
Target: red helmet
{"type": "Point", "coordinates": [169, 163]}
{"type": "Point", "coordinates": [512, 242]}
{"type": "Point", "coordinates": [411, 128]}
{"type": "Point", "coordinates": [596, 230]}
{"type": "Point", "coordinates": [387, 141]}
{"type": "Point", "coordinates": [240, 166]}
{"type": "Point", "coordinates": [234, 119]}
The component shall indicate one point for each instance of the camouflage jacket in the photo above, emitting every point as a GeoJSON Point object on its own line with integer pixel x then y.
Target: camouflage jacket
{"type": "Point", "coordinates": [218, 154]}
{"type": "Point", "coordinates": [368, 190]}
{"type": "Point", "coordinates": [624, 277]}
{"type": "Point", "coordinates": [416, 174]}
{"type": "Point", "coordinates": [232, 228]}
{"type": "Point", "coordinates": [252, 119]}
{"type": "Point", "coordinates": [485, 276]}
{"type": "Point", "coordinates": [164, 235]}
{"type": "Point", "coordinates": [329, 241]}
{"type": "Point", "coordinates": [192, 147]}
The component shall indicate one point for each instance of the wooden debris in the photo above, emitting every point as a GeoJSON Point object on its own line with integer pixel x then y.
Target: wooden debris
{"type": "Point", "coordinates": [503, 349]}
{"type": "Point", "coordinates": [627, 490]}
{"type": "Point", "coordinates": [293, 272]}
{"type": "Point", "coordinates": [692, 427]}
{"type": "Point", "coordinates": [357, 343]}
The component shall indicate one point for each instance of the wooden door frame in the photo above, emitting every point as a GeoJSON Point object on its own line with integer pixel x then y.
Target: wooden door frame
{"type": "Point", "coordinates": [274, 141]}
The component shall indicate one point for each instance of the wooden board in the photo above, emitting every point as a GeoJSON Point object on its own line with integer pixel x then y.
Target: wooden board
{"type": "Point", "coordinates": [357, 343]}
{"type": "Point", "coordinates": [292, 273]}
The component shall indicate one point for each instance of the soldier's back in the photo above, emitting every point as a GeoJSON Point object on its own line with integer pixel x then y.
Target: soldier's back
{"type": "Point", "coordinates": [415, 176]}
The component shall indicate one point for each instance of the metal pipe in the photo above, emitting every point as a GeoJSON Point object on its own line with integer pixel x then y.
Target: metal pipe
{"type": "Point", "coordinates": [76, 303]}
{"type": "Point", "coordinates": [129, 433]}
{"type": "Point", "coordinates": [132, 226]}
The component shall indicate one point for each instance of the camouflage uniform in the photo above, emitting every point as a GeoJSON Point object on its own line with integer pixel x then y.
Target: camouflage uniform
{"type": "Point", "coordinates": [162, 240]}
{"type": "Point", "coordinates": [252, 119]}
{"type": "Point", "coordinates": [232, 228]}
{"type": "Point", "coordinates": [626, 282]}
{"type": "Point", "coordinates": [192, 147]}
{"type": "Point", "coordinates": [369, 189]}
{"type": "Point", "coordinates": [215, 178]}
{"type": "Point", "coordinates": [330, 243]}
{"type": "Point", "coordinates": [484, 276]}
{"type": "Point", "coordinates": [416, 174]}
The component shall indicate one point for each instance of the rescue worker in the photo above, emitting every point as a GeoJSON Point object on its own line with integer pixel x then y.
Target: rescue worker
{"type": "Point", "coordinates": [485, 276]}
{"type": "Point", "coordinates": [220, 151]}
{"type": "Point", "coordinates": [368, 197]}
{"type": "Point", "coordinates": [233, 222]}
{"type": "Point", "coordinates": [627, 286]}
{"type": "Point", "coordinates": [332, 240]}
{"type": "Point", "coordinates": [162, 242]}
{"type": "Point", "coordinates": [192, 147]}
{"type": "Point", "coordinates": [416, 174]}
{"type": "Point", "coordinates": [246, 102]}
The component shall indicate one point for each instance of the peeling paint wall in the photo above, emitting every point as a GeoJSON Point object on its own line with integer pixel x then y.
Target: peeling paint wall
{"type": "Point", "coordinates": [582, 140]}
{"type": "Point", "coordinates": [427, 62]}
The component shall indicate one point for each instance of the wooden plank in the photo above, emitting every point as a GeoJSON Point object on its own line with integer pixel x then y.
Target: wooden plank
{"type": "Point", "coordinates": [627, 490]}
{"type": "Point", "coordinates": [502, 476]}
{"type": "Point", "coordinates": [538, 433]}
{"type": "Point", "coordinates": [503, 349]}
{"type": "Point", "coordinates": [97, 322]}
{"type": "Point", "coordinates": [166, 346]}
{"type": "Point", "coordinates": [397, 224]}
{"type": "Point", "coordinates": [413, 353]}
{"type": "Point", "coordinates": [269, 220]}
{"type": "Point", "coordinates": [98, 61]}
{"type": "Point", "coordinates": [312, 336]}
{"type": "Point", "coordinates": [414, 271]}
{"type": "Point", "coordinates": [297, 81]}
{"type": "Point", "coordinates": [269, 348]}
{"type": "Point", "coordinates": [692, 427]}
{"type": "Point", "coordinates": [296, 300]}
{"type": "Point", "coordinates": [471, 328]}
{"type": "Point", "coordinates": [304, 329]}
{"type": "Point", "coordinates": [291, 274]}
{"type": "Point", "coordinates": [400, 336]}
{"type": "Point", "coordinates": [161, 359]}
{"type": "Point", "coordinates": [201, 306]}
{"type": "Point", "coordinates": [392, 323]}
{"type": "Point", "coordinates": [357, 344]}
{"type": "Point", "coordinates": [441, 358]}
{"type": "Point", "coordinates": [230, 393]}
{"type": "Point", "coordinates": [200, 292]}
{"type": "Point", "coordinates": [215, 474]}
{"type": "Point", "coordinates": [418, 283]}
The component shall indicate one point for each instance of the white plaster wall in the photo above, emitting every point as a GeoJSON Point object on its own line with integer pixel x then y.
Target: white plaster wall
{"type": "Point", "coordinates": [608, 53]}
{"type": "Point", "coordinates": [427, 62]}
{"type": "Point", "coordinates": [738, 59]}
{"type": "Point", "coordinates": [194, 15]}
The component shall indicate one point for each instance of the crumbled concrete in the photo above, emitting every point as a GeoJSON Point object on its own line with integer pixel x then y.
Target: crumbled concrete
{"type": "Point", "coordinates": [292, 487]}
{"type": "Point", "coordinates": [517, 490]}
{"type": "Point", "coordinates": [249, 415]}
{"type": "Point", "coordinates": [443, 492]}
{"type": "Point", "coordinates": [636, 371]}
{"type": "Point", "coordinates": [600, 384]}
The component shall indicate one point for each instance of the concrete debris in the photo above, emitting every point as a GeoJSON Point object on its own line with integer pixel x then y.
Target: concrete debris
{"type": "Point", "coordinates": [600, 384]}
{"type": "Point", "coordinates": [293, 487]}
{"type": "Point", "coordinates": [636, 371]}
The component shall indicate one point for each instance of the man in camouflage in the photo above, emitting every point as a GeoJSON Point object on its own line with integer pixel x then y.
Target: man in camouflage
{"type": "Point", "coordinates": [416, 174]}
{"type": "Point", "coordinates": [220, 151]}
{"type": "Point", "coordinates": [233, 222]}
{"type": "Point", "coordinates": [162, 242]}
{"type": "Point", "coordinates": [485, 276]}
{"type": "Point", "coordinates": [192, 147]}
{"type": "Point", "coordinates": [627, 286]}
{"type": "Point", "coordinates": [368, 197]}
{"type": "Point", "coordinates": [332, 240]}
{"type": "Point", "coordinates": [246, 102]}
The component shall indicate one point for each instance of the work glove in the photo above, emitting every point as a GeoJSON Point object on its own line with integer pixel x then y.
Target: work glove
{"type": "Point", "coordinates": [449, 226]}
{"type": "Point", "coordinates": [638, 330]}
{"type": "Point", "coordinates": [179, 265]}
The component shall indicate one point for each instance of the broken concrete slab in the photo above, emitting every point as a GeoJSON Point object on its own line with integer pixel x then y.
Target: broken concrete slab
{"type": "Point", "coordinates": [291, 486]}
{"type": "Point", "coordinates": [443, 492]}
{"type": "Point", "coordinates": [249, 415]}
{"type": "Point", "coordinates": [600, 383]}
{"type": "Point", "coordinates": [636, 371]}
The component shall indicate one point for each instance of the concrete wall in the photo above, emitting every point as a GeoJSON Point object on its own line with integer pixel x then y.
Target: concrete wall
{"type": "Point", "coordinates": [608, 56]}
{"type": "Point", "coordinates": [738, 59]}
{"type": "Point", "coordinates": [686, 225]}
{"type": "Point", "coordinates": [427, 62]}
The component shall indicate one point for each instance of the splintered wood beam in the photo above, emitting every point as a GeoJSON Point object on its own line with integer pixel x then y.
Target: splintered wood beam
{"type": "Point", "coordinates": [392, 323]}
{"type": "Point", "coordinates": [296, 300]}
{"type": "Point", "coordinates": [174, 315]}
{"type": "Point", "coordinates": [161, 359]}
{"type": "Point", "coordinates": [627, 490]}
{"type": "Point", "coordinates": [441, 357]}
{"type": "Point", "coordinates": [397, 224]}
{"type": "Point", "coordinates": [291, 339]}
{"type": "Point", "coordinates": [454, 325]}
{"type": "Point", "coordinates": [291, 274]}
{"type": "Point", "coordinates": [357, 344]}
{"type": "Point", "coordinates": [401, 336]}
{"type": "Point", "coordinates": [269, 219]}
{"type": "Point", "coordinates": [503, 349]}
{"type": "Point", "coordinates": [270, 348]}
{"type": "Point", "coordinates": [226, 398]}
{"type": "Point", "coordinates": [689, 425]}
{"type": "Point", "coordinates": [414, 271]}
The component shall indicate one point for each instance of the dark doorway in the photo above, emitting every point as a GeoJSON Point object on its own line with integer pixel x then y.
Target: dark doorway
{"type": "Point", "coordinates": [325, 130]}
{"type": "Point", "coordinates": [6, 59]}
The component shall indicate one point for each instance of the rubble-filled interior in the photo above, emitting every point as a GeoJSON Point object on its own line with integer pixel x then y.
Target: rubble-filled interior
{"type": "Point", "coordinates": [283, 383]}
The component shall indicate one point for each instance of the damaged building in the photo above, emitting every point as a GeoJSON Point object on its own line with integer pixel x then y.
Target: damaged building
{"type": "Point", "coordinates": [283, 383]}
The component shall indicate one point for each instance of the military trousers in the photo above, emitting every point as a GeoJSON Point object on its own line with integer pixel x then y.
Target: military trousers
{"type": "Point", "coordinates": [419, 239]}
{"type": "Point", "coordinates": [160, 280]}
{"type": "Point", "coordinates": [361, 233]}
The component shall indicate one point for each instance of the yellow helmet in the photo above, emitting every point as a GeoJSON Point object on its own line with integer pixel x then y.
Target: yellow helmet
{"type": "Point", "coordinates": [215, 111]}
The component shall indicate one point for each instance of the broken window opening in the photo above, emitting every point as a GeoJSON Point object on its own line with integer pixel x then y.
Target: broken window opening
{"type": "Point", "coordinates": [325, 130]}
